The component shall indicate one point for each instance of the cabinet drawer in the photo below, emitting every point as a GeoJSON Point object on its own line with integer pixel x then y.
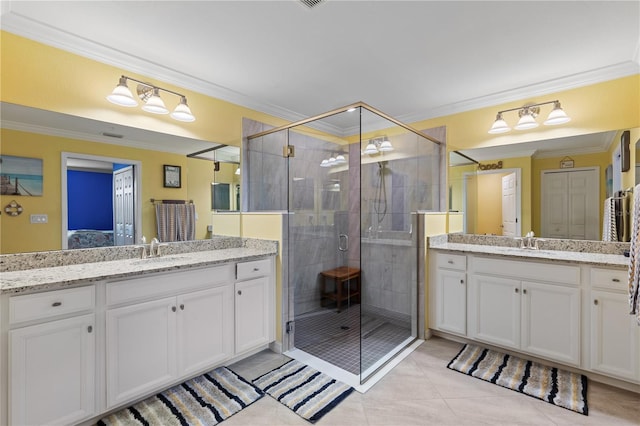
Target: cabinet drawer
{"type": "Point", "coordinates": [253, 269]}
{"type": "Point", "coordinates": [528, 270]}
{"type": "Point", "coordinates": [451, 261]}
{"type": "Point", "coordinates": [50, 303]}
{"type": "Point", "coordinates": [166, 284]}
{"type": "Point", "coordinates": [609, 278]}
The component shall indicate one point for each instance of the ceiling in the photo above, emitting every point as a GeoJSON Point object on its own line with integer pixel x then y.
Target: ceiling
{"type": "Point", "coordinates": [412, 60]}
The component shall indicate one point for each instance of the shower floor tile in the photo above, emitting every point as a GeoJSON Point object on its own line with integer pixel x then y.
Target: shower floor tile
{"type": "Point", "coordinates": [335, 338]}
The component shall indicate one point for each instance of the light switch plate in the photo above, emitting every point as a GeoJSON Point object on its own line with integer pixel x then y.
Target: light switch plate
{"type": "Point", "coordinates": [39, 218]}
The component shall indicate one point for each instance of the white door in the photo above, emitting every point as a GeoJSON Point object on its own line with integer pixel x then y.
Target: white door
{"type": "Point", "coordinates": [551, 321]}
{"type": "Point", "coordinates": [494, 314]}
{"type": "Point", "coordinates": [570, 205]}
{"type": "Point", "coordinates": [52, 372]}
{"type": "Point", "coordinates": [252, 314]}
{"type": "Point", "coordinates": [141, 349]}
{"type": "Point", "coordinates": [509, 206]}
{"type": "Point", "coordinates": [124, 206]}
{"type": "Point", "coordinates": [205, 329]}
{"type": "Point", "coordinates": [615, 337]}
{"type": "Point", "coordinates": [451, 301]}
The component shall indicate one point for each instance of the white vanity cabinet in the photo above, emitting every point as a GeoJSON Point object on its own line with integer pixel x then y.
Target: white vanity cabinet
{"type": "Point", "coordinates": [449, 293]}
{"type": "Point", "coordinates": [529, 306]}
{"type": "Point", "coordinates": [254, 305]}
{"type": "Point", "coordinates": [52, 357]}
{"type": "Point", "coordinates": [163, 327]}
{"type": "Point", "coordinates": [615, 334]}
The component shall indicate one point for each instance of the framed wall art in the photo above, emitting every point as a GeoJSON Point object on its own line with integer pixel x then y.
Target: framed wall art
{"type": "Point", "coordinates": [172, 177]}
{"type": "Point", "coordinates": [20, 176]}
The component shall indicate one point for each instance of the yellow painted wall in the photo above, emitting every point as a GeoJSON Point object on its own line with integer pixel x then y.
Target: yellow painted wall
{"type": "Point", "coordinates": [489, 206]}
{"type": "Point", "coordinates": [41, 76]}
{"type": "Point", "coordinates": [268, 226]}
{"type": "Point", "coordinates": [610, 105]}
{"type": "Point", "coordinates": [226, 224]}
{"type": "Point", "coordinates": [18, 235]}
{"type": "Point", "coordinates": [199, 175]}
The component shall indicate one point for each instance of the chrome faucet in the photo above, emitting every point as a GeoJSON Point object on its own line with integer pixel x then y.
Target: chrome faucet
{"type": "Point", "coordinates": [153, 249]}
{"type": "Point", "coordinates": [529, 241]}
{"type": "Point", "coordinates": [144, 254]}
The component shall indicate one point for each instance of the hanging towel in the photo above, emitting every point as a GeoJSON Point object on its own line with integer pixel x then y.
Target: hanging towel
{"type": "Point", "coordinates": [609, 230]}
{"type": "Point", "coordinates": [634, 258]}
{"type": "Point", "coordinates": [166, 222]}
{"type": "Point", "coordinates": [175, 222]}
{"type": "Point", "coordinates": [186, 222]}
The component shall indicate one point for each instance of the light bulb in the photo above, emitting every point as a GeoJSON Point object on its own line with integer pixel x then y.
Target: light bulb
{"type": "Point", "coordinates": [557, 116]}
{"type": "Point", "coordinates": [121, 95]}
{"type": "Point", "coordinates": [183, 112]}
{"type": "Point", "coordinates": [154, 104]}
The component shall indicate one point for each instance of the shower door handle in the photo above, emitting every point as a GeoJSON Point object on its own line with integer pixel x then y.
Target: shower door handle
{"type": "Point", "coordinates": [343, 242]}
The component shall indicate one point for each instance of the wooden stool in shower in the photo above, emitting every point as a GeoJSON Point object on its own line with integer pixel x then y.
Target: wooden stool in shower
{"type": "Point", "coordinates": [347, 284]}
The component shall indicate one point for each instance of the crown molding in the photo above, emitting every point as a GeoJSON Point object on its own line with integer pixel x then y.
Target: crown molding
{"type": "Point", "coordinates": [612, 72]}
{"type": "Point", "coordinates": [52, 131]}
{"type": "Point", "coordinates": [23, 26]}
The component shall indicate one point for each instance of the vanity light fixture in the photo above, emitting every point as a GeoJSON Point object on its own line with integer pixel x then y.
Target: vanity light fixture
{"type": "Point", "coordinates": [376, 145]}
{"type": "Point", "coordinates": [528, 114]}
{"type": "Point", "coordinates": [150, 95]}
{"type": "Point", "coordinates": [333, 161]}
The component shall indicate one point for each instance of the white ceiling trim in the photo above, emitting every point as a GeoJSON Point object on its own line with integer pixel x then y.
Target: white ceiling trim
{"type": "Point", "coordinates": [45, 34]}
{"type": "Point", "coordinates": [620, 70]}
{"type": "Point", "coordinates": [52, 131]}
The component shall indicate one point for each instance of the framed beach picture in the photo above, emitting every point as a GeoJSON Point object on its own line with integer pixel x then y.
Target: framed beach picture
{"type": "Point", "coordinates": [20, 176]}
{"type": "Point", "coordinates": [172, 176]}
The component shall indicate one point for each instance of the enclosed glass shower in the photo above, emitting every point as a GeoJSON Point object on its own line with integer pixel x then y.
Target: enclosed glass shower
{"type": "Point", "coordinates": [353, 184]}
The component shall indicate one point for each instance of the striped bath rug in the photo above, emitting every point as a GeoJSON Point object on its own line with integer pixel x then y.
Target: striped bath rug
{"type": "Point", "coordinates": [559, 387]}
{"type": "Point", "coordinates": [205, 400]}
{"type": "Point", "coordinates": [308, 392]}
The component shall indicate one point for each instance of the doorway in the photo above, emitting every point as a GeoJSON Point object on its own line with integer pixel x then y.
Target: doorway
{"type": "Point", "coordinates": [492, 202]}
{"type": "Point", "coordinates": [87, 232]}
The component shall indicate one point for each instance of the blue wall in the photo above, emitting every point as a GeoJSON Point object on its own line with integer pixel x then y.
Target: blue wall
{"type": "Point", "coordinates": [89, 200]}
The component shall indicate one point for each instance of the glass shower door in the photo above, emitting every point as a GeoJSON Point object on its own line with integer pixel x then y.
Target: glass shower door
{"type": "Point", "coordinates": [323, 249]}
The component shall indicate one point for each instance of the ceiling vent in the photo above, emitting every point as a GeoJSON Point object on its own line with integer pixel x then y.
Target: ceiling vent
{"type": "Point", "coordinates": [112, 135]}
{"type": "Point", "coordinates": [311, 3]}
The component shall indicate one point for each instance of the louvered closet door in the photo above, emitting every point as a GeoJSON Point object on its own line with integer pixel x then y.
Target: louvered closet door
{"type": "Point", "coordinates": [570, 204]}
{"type": "Point", "coordinates": [124, 206]}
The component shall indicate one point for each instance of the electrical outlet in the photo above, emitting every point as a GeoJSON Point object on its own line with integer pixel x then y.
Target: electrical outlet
{"type": "Point", "coordinates": [210, 228]}
{"type": "Point", "coordinates": [39, 218]}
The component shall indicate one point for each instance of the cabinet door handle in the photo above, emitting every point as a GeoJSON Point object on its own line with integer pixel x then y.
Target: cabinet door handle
{"type": "Point", "coordinates": [517, 290]}
{"type": "Point", "coordinates": [595, 301]}
{"type": "Point", "coordinates": [182, 306]}
{"type": "Point", "coordinates": [461, 281]}
{"type": "Point", "coordinates": [450, 262]}
{"type": "Point", "coordinates": [256, 269]}
{"type": "Point", "coordinates": [615, 280]}
{"type": "Point", "coordinates": [173, 308]}
{"type": "Point", "coordinates": [239, 292]}
{"type": "Point", "coordinates": [56, 304]}
{"type": "Point", "coordinates": [524, 291]}
{"type": "Point", "coordinates": [90, 328]}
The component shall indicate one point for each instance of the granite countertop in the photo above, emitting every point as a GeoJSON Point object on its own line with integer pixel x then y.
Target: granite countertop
{"type": "Point", "coordinates": [56, 277]}
{"type": "Point", "coordinates": [599, 259]}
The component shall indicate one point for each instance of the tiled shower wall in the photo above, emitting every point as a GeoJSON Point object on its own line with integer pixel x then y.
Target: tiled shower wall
{"type": "Point", "coordinates": [330, 201]}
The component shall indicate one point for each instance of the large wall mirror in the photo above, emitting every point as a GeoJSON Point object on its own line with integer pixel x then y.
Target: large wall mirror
{"type": "Point", "coordinates": [556, 187]}
{"type": "Point", "coordinates": [80, 159]}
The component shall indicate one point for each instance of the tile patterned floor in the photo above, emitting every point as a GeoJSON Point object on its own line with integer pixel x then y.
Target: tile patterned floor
{"type": "Point", "coordinates": [322, 336]}
{"type": "Point", "coordinates": [422, 391]}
